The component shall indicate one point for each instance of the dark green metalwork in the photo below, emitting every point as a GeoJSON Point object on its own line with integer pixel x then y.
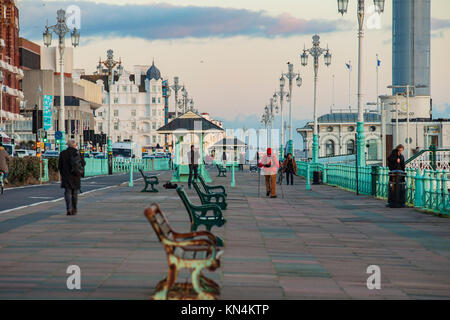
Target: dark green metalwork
{"type": "Point", "coordinates": [198, 214]}
{"type": "Point", "coordinates": [149, 180]}
{"type": "Point", "coordinates": [212, 189]}
{"type": "Point", "coordinates": [214, 198]}
{"type": "Point", "coordinates": [222, 170]}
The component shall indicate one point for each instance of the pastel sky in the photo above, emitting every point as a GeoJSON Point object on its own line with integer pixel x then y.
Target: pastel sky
{"type": "Point", "coordinates": [230, 53]}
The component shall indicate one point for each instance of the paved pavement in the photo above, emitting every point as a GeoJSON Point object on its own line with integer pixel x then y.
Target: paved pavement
{"type": "Point", "coordinates": [309, 245]}
{"type": "Point", "coordinates": [34, 194]}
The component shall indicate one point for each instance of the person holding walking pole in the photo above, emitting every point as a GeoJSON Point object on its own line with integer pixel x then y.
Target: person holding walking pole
{"type": "Point", "coordinates": [269, 163]}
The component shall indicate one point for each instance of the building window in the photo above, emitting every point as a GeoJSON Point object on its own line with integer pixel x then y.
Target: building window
{"type": "Point", "coordinates": [154, 112]}
{"type": "Point", "coordinates": [147, 140]}
{"type": "Point", "coordinates": [373, 128]}
{"type": "Point", "coordinates": [116, 100]}
{"type": "Point", "coordinates": [100, 114]}
{"type": "Point", "coordinates": [133, 100]}
{"type": "Point", "coordinates": [351, 147]}
{"type": "Point", "coordinates": [124, 88]}
{"type": "Point", "coordinates": [116, 126]}
{"type": "Point", "coordinates": [154, 139]}
{"type": "Point", "coordinates": [153, 99]}
{"type": "Point", "coordinates": [116, 113]}
{"type": "Point", "coordinates": [133, 125]}
{"type": "Point", "coordinates": [330, 129]}
{"type": "Point", "coordinates": [100, 127]}
{"type": "Point", "coordinates": [154, 88]}
{"type": "Point", "coordinates": [154, 125]}
{"type": "Point", "coordinates": [133, 113]}
{"type": "Point", "coordinates": [372, 153]}
{"type": "Point", "coordinates": [351, 129]}
{"type": "Point", "coordinates": [159, 100]}
{"type": "Point", "coordinates": [329, 148]}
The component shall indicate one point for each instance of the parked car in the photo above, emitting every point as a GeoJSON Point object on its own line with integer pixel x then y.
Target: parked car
{"type": "Point", "coordinates": [31, 153]}
{"type": "Point", "coordinates": [20, 153]}
{"type": "Point", "coordinates": [100, 156]}
{"type": "Point", "coordinates": [50, 154]}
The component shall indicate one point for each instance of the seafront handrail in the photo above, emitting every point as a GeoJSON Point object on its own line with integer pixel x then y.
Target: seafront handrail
{"type": "Point", "coordinates": [425, 189]}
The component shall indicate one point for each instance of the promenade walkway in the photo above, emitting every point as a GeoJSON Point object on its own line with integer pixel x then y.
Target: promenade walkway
{"type": "Point", "coordinates": [307, 245]}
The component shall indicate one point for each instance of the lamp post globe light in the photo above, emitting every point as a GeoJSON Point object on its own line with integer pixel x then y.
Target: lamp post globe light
{"type": "Point", "coordinates": [282, 94]}
{"type": "Point", "coordinates": [112, 66]}
{"type": "Point", "coordinates": [342, 8]}
{"type": "Point", "coordinates": [61, 29]}
{"type": "Point", "coordinates": [176, 87]}
{"type": "Point", "coordinates": [291, 75]}
{"type": "Point", "coordinates": [315, 51]}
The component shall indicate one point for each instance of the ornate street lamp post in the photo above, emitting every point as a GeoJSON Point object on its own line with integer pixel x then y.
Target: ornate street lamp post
{"type": "Point", "coordinates": [316, 51]}
{"type": "Point", "coordinates": [112, 66]}
{"type": "Point", "coordinates": [282, 94]}
{"type": "Point", "coordinates": [61, 29]}
{"type": "Point", "coordinates": [290, 75]}
{"type": "Point", "coordinates": [176, 87]}
{"type": "Point", "coordinates": [342, 8]}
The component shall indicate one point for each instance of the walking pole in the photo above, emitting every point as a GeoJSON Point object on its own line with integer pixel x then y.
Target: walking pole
{"type": "Point", "coordinates": [258, 171]}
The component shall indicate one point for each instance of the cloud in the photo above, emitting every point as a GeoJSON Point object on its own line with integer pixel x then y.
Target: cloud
{"type": "Point", "coordinates": [165, 21]}
{"type": "Point", "coordinates": [438, 24]}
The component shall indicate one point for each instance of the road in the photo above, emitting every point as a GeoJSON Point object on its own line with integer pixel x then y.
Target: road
{"type": "Point", "coordinates": [17, 198]}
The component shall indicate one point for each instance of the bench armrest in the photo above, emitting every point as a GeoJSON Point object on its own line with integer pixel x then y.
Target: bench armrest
{"type": "Point", "coordinates": [196, 234]}
{"type": "Point", "coordinates": [218, 197]}
{"type": "Point", "coordinates": [193, 243]}
{"type": "Point", "coordinates": [222, 188]}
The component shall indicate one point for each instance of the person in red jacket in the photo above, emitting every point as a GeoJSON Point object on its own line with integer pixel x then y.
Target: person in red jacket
{"type": "Point", "coordinates": [270, 165]}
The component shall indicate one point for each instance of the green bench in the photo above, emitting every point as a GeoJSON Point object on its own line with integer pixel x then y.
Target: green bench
{"type": "Point", "coordinates": [222, 170]}
{"type": "Point", "coordinates": [194, 251]}
{"type": "Point", "coordinates": [149, 180]}
{"type": "Point", "coordinates": [198, 214]}
{"type": "Point", "coordinates": [214, 198]}
{"type": "Point", "coordinates": [212, 189]}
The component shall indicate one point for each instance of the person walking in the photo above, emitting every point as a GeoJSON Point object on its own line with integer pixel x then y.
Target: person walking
{"type": "Point", "coordinates": [241, 161]}
{"type": "Point", "coordinates": [396, 160]}
{"type": "Point", "coordinates": [71, 167]}
{"type": "Point", "coordinates": [4, 157]}
{"type": "Point", "coordinates": [270, 165]}
{"type": "Point", "coordinates": [290, 168]}
{"type": "Point", "coordinates": [193, 157]}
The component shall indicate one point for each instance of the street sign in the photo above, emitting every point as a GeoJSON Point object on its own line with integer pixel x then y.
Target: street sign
{"type": "Point", "coordinates": [58, 135]}
{"type": "Point", "coordinates": [48, 114]}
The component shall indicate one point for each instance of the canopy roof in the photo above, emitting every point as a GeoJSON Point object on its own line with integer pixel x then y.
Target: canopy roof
{"type": "Point", "coordinates": [190, 122]}
{"type": "Point", "coordinates": [229, 142]}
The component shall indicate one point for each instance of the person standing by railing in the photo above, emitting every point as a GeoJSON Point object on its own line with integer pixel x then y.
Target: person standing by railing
{"type": "Point", "coordinates": [396, 161]}
{"type": "Point", "coordinates": [290, 168]}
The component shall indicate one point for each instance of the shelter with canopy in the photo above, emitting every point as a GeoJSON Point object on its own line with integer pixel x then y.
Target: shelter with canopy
{"type": "Point", "coordinates": [189, 129]}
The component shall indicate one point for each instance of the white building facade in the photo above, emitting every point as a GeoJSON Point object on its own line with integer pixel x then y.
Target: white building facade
{"type": "Point", "coordinates": [337, 135]}
{"type": "Point", "coordinates": [137, 106]}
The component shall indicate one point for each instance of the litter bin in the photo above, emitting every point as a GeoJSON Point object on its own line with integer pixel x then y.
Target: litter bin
{"type": "Point", "coordinates": [397, 189]}
{"type": "Point", "coordinates": [317, 177]}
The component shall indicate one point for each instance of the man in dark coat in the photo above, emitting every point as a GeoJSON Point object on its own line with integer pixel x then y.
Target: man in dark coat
{"type": "Point", "coordinates": [396, 161]}
{"type": "Point", "coordinates": [71, 168]}
{"type": "Point", "coordinates": [194, 159]}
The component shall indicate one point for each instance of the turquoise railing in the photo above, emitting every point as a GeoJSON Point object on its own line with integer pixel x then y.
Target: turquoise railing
{"type": "Point", "coordinates": [95, 167]}
{"type": "Point", "coordinates": [427, 190]}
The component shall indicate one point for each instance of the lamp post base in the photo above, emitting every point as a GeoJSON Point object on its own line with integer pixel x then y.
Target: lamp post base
{"type": "Point", "coordinates": [315, 148]}
{"type": "Point", "coordinates": [361, 144]}
{"type": "Point", "coordinates": [291, 147]}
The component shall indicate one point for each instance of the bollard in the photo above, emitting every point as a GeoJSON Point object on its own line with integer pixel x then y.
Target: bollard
{"type": "Point", "coordinates": [418, 192]}
{"type": "Point", "coordinates": [233, 182]}
{"type": "Point", "coordinates": [130, 183]}
{"type": "Point", "coordinates": [308, 182]}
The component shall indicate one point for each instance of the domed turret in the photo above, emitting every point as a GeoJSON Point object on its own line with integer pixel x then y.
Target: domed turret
{"type": "Point", "coordinates": [153, 72]}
